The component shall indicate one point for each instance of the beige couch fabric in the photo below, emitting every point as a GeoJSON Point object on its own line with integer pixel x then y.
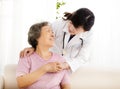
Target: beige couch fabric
{"type": "Point", "coordinates": [83, 78]}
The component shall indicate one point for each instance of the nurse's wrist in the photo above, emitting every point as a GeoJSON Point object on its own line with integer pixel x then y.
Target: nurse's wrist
{"type": "Point", "coordinates": [65, 65]}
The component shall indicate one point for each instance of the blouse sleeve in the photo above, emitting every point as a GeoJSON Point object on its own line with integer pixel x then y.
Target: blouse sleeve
{"type": "Point", "coordinates": [66, 77]}
{"type": "Point", "coordinates": [23, 66]}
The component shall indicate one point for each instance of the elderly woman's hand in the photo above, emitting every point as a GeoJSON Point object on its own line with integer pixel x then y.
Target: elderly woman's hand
{"type": "Point", "coordinates": [53, 67]}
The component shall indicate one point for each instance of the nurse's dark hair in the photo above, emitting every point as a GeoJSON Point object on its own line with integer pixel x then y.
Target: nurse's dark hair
{"type": "Point", "coordinates": [35, 32]}
{"type": "Point", "coordinates": [81, 17]}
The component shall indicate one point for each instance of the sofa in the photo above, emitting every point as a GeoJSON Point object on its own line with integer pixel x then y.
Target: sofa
{"type": "Point", "coordinates": [83, 78]}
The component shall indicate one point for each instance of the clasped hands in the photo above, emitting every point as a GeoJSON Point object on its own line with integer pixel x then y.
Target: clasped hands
{"type": "Point", "coordinates": [54, 67]}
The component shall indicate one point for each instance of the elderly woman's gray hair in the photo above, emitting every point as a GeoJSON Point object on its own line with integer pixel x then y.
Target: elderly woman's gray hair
{"type": "Point", "coordinates": [35, 32]}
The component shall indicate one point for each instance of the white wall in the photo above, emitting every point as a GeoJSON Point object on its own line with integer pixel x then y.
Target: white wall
{"type": "Point", "coordinates": [106, 31]}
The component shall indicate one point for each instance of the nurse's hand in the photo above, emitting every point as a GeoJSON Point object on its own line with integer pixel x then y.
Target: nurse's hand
{"type": "Point", "coordinates": [52, 67]}
{"type": "Point", "coordinates": [64, 65]}
{"type": "Point", "coordinates": [26, 52]}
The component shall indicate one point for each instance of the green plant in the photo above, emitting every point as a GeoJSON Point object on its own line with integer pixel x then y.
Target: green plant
{"type": "Point", "coordinates": [58, 5]}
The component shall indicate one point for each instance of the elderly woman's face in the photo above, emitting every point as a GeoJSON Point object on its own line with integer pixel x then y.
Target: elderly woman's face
{"type": "Point", "coordinates": [47, 36]}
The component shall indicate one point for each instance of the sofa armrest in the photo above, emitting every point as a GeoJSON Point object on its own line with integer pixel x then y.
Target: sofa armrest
{"type": "Point", "coordinates": [10, 76]}
{"type": "Point", "coordinates": [1, 82]}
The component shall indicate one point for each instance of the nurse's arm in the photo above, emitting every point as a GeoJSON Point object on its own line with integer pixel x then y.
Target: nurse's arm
{"type": "Point", "coordinates": [82, 58]}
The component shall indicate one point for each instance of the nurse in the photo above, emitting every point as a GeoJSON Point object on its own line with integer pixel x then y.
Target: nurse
{"type": "Point", "coordinates": [73, 38]}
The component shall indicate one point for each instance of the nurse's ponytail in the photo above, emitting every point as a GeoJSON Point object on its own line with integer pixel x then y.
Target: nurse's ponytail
{"type": "Point", "coordinates": [67, 16]}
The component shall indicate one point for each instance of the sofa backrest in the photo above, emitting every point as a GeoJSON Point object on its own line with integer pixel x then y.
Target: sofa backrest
{"type": "Point", "coordinates": [95, 78]}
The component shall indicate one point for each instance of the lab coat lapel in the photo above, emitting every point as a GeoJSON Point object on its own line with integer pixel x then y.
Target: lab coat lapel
{"type": "Point", "coordinates": [73, 41]}
{"type": "Point", "coordinates": [67, 35]}
{"type": "Point", "coordinates": [76, 39]}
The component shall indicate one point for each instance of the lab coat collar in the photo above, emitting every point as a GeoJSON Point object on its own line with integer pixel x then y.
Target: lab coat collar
{"type": "Point", "coordinates": [76, 38]}
{"type": "Point", "coordinates": [83, 35]}
{"type": "Point", "coordinates": [65, 29]}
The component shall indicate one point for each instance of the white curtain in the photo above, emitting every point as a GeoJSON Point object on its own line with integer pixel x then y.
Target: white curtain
{"type": "Point", "coordinates": [16, 16]}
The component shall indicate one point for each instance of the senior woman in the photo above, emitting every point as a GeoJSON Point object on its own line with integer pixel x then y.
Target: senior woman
{"type": "Point", "coordinates": [37, 70]}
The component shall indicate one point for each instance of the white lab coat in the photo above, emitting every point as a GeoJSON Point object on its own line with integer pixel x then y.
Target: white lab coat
{"type": "Point", "coordinates": [75, 54]}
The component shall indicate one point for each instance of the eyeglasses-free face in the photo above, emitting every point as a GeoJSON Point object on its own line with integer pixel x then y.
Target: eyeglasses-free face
{"type": "Point", "coordinates": [72, 30]}
{"type": "Point", "coordinates": [47, 36]}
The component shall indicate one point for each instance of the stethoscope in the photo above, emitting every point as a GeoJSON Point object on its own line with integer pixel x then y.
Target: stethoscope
{"type": "Point", "coordinates": [63, 43]}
